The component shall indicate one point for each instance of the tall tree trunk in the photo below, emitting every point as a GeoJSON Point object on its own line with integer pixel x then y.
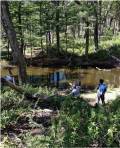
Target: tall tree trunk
{"type": "Point", "coordinates": [31, 44]}
{"type": "Point", "coordinates": [111, 20]}
{"type": "Point", "coordinates": [114, 27]}
{"type": "Point", "coordinates": [18, 57]}
{"type": "Point", "coordinates": [66, 29]}
{"type": "Point", "coordinates": [79, 30]}
{"type": "Point", "coordinates": [24, 49]}
{"type": "Point", "coordinates": [8, 50]}
{"type": "Point", "coordinates": [49, 38]}
{"type": "Point", "coordinates": [47, 41]}
{"type": "Point", "coordinates": [57, 26]}
{"type": "Point", "coordinates": [58, 78]}
{"type": "Point", "coordinates": [73, 31]}
{"type": "Point", "coordinates": [100, 19]}
{"type": "Point", "coordinates": [53, 37]}
{"type": "Point", "coordinates": [20, 27]}
{"type": "Point", "coordinates": [119, 25]}
{"type": "Point", "coordinates": [40, 23]}
{"type": "Point", "coordinates": [96, 26]}
{"type": "Point", "coordinates": [87, 39]}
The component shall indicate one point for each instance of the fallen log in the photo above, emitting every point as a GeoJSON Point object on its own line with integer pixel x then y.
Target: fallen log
{"type": "Point", "coordinates": [18, 89]}
{"type": "Point", "coordinates": [13, 86]}
{"type": "Point", "coordinates": [26, 94]}
{"type": "Point", "coordinates": [115, 58]}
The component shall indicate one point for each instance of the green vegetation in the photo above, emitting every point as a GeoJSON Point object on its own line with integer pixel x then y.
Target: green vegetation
{"type": "Point", "coordinates": [77, 123]}
{"type": "Point", "coordinates": [81, 125]}
{"type": "Point", "coordinates": [57, 33]}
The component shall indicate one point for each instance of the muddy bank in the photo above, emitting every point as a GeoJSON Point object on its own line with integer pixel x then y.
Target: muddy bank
{"type": "Point", "coordinates": [73, 61]}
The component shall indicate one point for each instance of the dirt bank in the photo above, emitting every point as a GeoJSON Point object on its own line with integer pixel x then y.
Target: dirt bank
{"type": "Point", "coordinates": [73, 61]}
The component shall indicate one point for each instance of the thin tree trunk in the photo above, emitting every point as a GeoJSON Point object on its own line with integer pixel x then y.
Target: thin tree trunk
{"type": "Point", "coordinates": [87, 39]}
{"type": "Point", "coordinates": [49, 38]}
{"type": "Point", "coordinates": [31, 41]}
{"type": "Point", "coordinates": [57, 27]}
{"type": "Point", "coordinates": [100, 18]}
{"type": "Point", "coordinates": [79, 30]}
{"type": "Point", "coordinates": [20, 27]}
{"type": "Point", "coordinates": [58, 79]}
{"type": "Point", "coordinates": [119, 25]}
{"type": "Point", "coordinates": [114, 27]}
{"type": "Point", "coordinates": [111, 20]}
{"type": "Point", "coordinates": [73, 31]}
{"type": "Point", "coordinates": [40, 22]}
{"type": "Point", "coordinates": [8, 51]}
{"type": "Point", "coordinates": [47, 42]}
{"type": "Point", "coordinates": [66, 30]}
{"type": "Point", "coordinates": [24, 49]}
{"type": "Point", "coordinates": [18, 57]}
{"type": "Point", "coordinates": [53, 38]}
{"type": "Point", "coordinates": [73, 46]}
{"type": "Point", "coordinates": [96, 26]}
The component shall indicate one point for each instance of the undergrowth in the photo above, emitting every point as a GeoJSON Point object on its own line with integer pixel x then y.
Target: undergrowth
{"type": "Point", "coordinates": [76, 125]}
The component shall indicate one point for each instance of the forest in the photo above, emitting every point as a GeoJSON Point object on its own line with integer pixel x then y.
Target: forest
{"type": "Point", "coordinates": [60, 73]}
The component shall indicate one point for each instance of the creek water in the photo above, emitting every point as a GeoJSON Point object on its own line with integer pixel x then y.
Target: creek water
{"type": "Point", "coordinates": [89, 78]}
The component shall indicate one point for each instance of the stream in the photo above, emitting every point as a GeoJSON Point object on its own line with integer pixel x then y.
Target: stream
{"type": "Point", "coordinates": [89, 78]}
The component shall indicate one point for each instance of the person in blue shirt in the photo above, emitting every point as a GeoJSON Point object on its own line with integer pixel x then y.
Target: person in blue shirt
{"type": "Point", "coordinates": [101, 90]}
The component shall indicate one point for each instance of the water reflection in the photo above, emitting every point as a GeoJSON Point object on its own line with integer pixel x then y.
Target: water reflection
{"type": "Point", "coordinates": [57, 77]}
{"type": "Point", "coordinates": [54, 76]}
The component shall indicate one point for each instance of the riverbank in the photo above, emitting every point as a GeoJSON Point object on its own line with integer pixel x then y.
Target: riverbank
{"type": "Point", "coordinates": [102, 59]}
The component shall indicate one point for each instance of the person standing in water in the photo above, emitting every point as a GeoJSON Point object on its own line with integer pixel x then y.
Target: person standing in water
{"type": "Point", "coordinates": [101, 90]}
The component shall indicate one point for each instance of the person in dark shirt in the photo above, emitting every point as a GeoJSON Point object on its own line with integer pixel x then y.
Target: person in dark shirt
{"type": "Point", "coordinates": [101, 90]}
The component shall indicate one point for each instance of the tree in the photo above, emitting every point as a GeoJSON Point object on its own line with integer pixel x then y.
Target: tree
{"type": "Point", "coordinates": [57, 25]}
{"type": "Point", "coordinates": [44, 24]}
{"type": "Point", "coordinates": [20, 26]}
{"type": "Point", "coordinates": [87, 39]}
{"type": "Point", "coordinates": [66, 19]}
{"type": "Point", "coordinates": [96, 25]}
{"type": "Point", "coordinates": [18, 57]}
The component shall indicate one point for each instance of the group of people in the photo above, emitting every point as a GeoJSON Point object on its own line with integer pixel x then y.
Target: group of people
{"type": "Point", "coordinates": [101, 90]}
{"type": "Point", "coordinates": [75, 89]}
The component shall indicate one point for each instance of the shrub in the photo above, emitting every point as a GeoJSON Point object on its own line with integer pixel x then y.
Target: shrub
{"type": "Point", "coordinates": [81, 125]}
